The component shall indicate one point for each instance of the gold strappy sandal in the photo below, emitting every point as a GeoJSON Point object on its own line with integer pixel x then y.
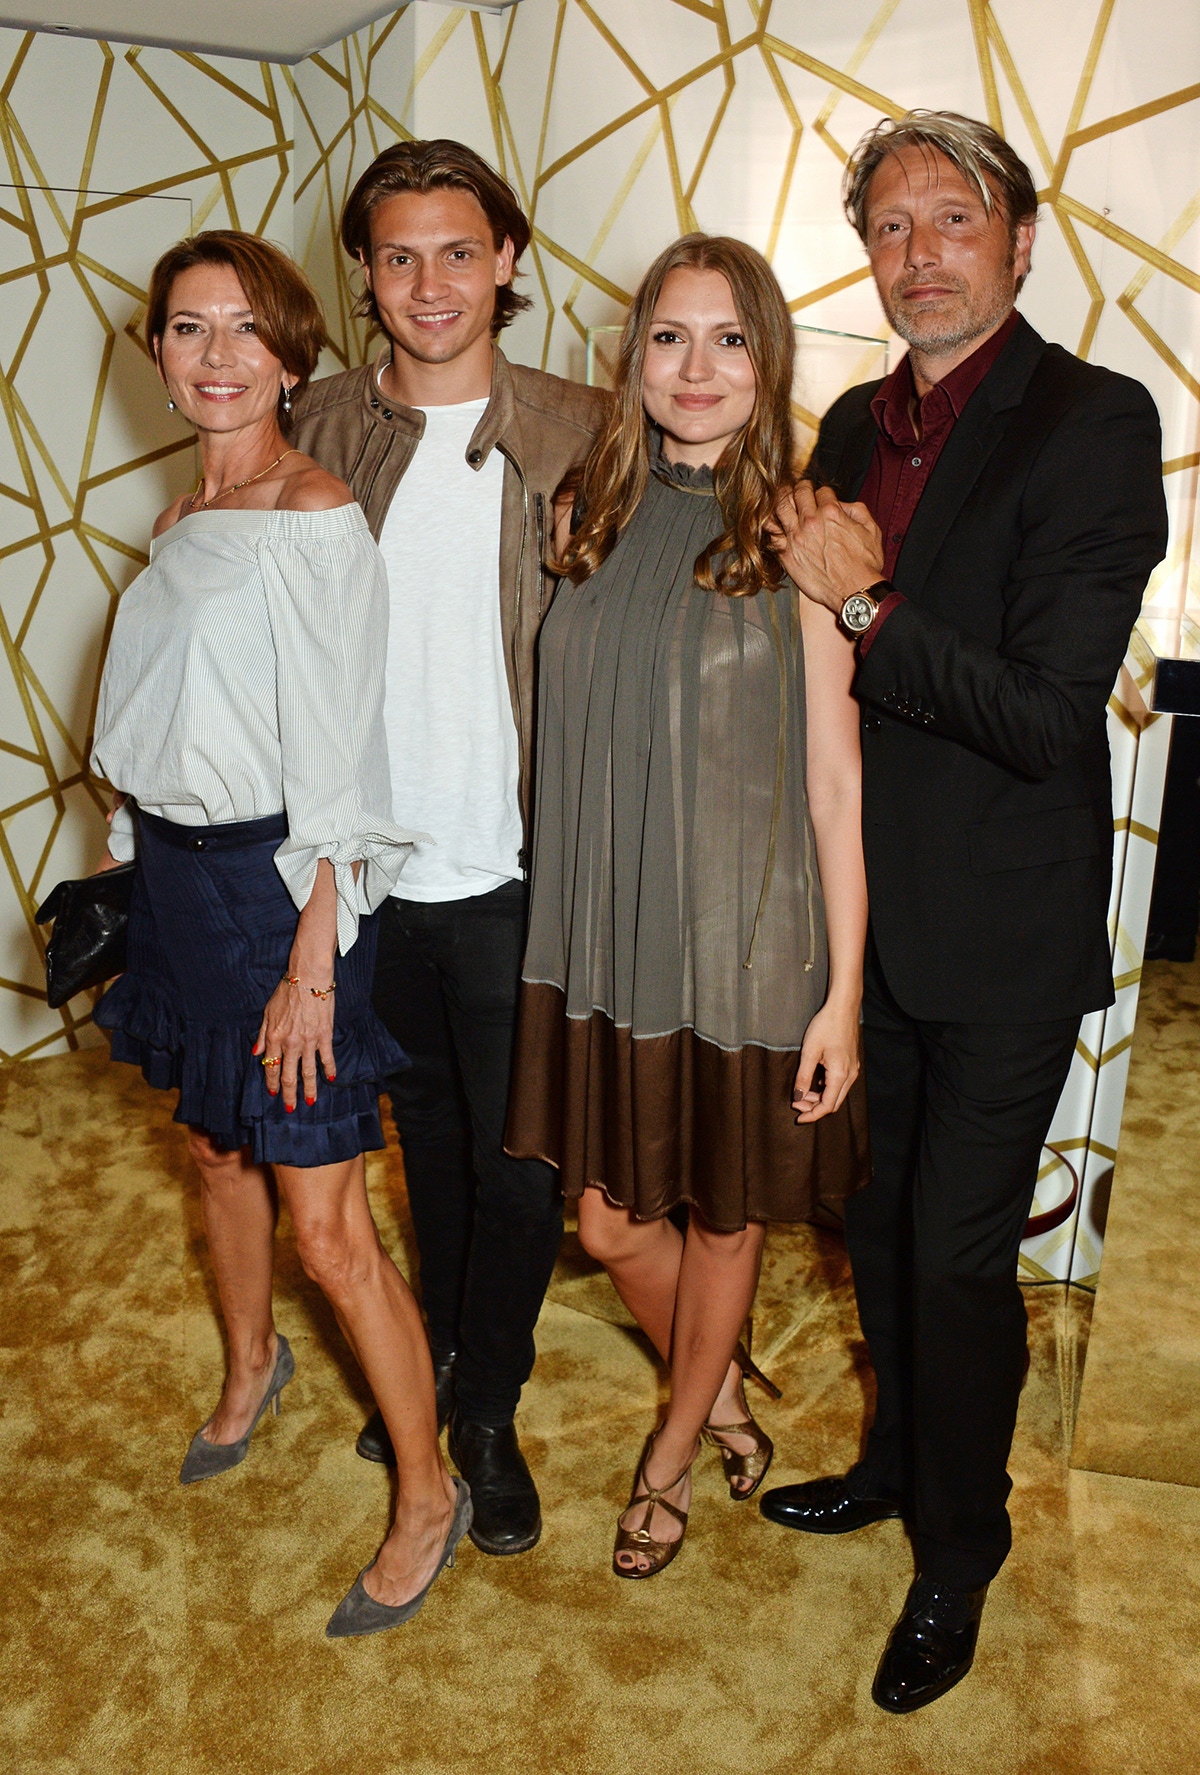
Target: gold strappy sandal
{"type": "Point", "coordinates": [752, 1466]}
{"type": "Point", "coordinates": [640, 1540]}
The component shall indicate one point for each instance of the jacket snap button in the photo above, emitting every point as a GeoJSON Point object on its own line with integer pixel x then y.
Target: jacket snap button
{"type": "Point", "coordinates": [375, 404]}
{"type": "Point", "coordinates": [198, 844]}
{"type": "Point", "coordinates": [474, 456]}
{"type": "Point", "coordinates": [387, 412]}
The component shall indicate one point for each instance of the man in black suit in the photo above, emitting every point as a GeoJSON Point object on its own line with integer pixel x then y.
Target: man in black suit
{"type": "Point", "coordinates": [984, 522]}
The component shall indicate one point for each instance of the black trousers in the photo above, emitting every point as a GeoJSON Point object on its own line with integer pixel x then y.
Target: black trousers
{"type": "Point", "coordinates": [488, 1227]}
{"type": "Point", "coordinates": [958, 1113]}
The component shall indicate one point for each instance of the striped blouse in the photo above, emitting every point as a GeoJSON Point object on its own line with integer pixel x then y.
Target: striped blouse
{"type": "Point", "coordinates": [244, 678]}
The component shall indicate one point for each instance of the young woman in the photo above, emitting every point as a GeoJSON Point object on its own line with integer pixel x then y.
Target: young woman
{"type": "Point", "coordinates": [240, 714]}
{"type": "Point", "coordinates": [694, 966]}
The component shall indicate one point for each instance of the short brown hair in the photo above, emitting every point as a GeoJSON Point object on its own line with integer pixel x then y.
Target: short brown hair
{"type": "Point", "coordinates": [756, 464]}
{"type": "Point", "coordinates": [441, 165]}
{"type": "Point", "coordinates": [979, 152]}
{"type": "Point", "coordinates": [286, 308]}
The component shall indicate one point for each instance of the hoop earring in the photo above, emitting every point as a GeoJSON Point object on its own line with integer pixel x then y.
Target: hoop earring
{"type": "Point", "coordinates": [287, 400]}
{"type": "Point", "coordinates": [170, 406]}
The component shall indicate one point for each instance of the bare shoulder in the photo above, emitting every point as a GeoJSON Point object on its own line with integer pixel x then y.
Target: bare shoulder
{"type": "Point", "coordinates": [171, 515]}
{"type": "Point", "coordinates": [310, 488]}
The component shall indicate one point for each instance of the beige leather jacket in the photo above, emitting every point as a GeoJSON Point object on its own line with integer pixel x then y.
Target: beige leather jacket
{"type": "Point", "coordinates": [541, 424]}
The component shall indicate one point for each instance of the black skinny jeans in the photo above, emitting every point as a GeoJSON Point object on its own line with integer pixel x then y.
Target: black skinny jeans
{"type": "Point", "coordinates": [488, 1227]}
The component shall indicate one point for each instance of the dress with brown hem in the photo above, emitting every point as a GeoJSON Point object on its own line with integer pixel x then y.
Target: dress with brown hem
{"type": "Point", "coordinates": [676, 949]}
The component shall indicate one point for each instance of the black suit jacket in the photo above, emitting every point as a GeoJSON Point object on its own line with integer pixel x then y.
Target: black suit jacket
{"type": "Point", "coordinates": [987, 792]}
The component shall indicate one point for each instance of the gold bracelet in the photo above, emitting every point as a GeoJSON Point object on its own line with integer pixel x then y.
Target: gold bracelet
{"type": "Point", "coordinates": [294, 980]}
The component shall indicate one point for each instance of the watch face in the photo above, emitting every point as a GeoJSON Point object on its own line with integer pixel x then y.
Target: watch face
{"type": "Point", "coordinates": [858, 613]}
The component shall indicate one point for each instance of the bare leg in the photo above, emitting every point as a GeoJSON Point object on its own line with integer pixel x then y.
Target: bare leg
{"type": "Point", "coordinates": [238, 1205]}
{"type": "Point", "coordinates": [691, 1297]}
{"type": "Point", "coordinates": [340, 1250]}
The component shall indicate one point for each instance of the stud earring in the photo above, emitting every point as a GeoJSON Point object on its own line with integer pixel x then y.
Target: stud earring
{"type": "Point", "coordinates": [170, 406]}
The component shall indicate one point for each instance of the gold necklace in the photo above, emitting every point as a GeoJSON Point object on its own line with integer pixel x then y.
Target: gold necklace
{"type": "Point", "coordinates": [237, 485]}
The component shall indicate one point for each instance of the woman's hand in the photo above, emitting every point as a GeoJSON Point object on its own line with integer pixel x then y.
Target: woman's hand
{"type": "Point", "coordinates": [297, 1025]}
{"type": "Point", "coordinates": [831, 1041]}
{"type": "Point", "coordinates": [296, 1030]}
{"type": "Point", "coordinates": [108, 861]}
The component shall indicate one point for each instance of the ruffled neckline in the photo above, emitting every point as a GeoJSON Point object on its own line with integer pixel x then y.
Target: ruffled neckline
{"type": "Point", "coordinates": [678, 474]}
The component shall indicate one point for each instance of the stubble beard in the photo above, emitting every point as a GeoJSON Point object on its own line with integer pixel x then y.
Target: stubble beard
{"type": "Point", "coordinates": [939, 334]}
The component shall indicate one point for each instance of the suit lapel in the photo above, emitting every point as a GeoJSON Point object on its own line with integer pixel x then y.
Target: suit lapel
{"type": "Point", "coordinates": [855, 459]}
{"type": "Point", "coordinates": [987, 418]}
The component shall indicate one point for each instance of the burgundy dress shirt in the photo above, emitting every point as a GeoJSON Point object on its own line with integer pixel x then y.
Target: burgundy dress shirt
{"type": "Point", "coordinates": [904, 459]}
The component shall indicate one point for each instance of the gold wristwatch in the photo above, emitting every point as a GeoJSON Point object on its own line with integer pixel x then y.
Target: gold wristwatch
{"type": "Point", "coordinates": [861, 608]}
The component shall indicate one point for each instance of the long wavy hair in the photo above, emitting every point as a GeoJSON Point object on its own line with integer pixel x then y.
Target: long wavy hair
{"type": "Point", "coordinates": [756, 464]}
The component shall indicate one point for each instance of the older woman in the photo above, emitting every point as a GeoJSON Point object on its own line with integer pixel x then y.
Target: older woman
{"type": "Point", "coordinates": [240, 715]}
{"type": "Point", "coordinates": [689, 1016]}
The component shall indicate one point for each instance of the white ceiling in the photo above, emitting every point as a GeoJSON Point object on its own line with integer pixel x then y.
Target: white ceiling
{"type": "Point", "coordinates": [263, 30]}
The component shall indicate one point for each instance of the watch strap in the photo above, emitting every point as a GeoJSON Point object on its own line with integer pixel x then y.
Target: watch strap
{"type": "Point", "coordinates": [887, 604]}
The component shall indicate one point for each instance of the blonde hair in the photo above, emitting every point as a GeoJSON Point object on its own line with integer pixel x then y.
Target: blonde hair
{"type": "Point", "coordinates": [980, 153]}
{"type": "Point", "coordinates": [756, 464]}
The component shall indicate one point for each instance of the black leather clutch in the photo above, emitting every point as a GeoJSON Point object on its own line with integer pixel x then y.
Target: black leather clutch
{"type": "Point", "coordinates": [87, 944]}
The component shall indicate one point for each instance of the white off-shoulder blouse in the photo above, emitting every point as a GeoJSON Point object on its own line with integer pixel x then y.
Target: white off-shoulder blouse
{"type": "Point", "coordinates": [244, 678]}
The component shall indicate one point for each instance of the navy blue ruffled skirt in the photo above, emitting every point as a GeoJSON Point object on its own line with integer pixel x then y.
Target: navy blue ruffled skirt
{"type": "Point", "coordinates": [211, 927]}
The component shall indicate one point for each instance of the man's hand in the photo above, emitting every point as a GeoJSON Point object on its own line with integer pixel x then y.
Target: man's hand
{"type": "Point", "coordinates": [831, 550]}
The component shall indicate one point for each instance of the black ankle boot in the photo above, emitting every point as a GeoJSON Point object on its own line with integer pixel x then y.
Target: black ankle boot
{"type": "Point", "coordinates": [508, 1517]}
{"type": "Point", "coordinates": [374, 1443]}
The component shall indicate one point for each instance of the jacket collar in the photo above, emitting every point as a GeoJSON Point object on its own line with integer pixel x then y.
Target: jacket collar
{"type": "Point", "coordinates": [1002, 389]}
{"type": "Point", "coordinates": [497, 422]}
{"type": "Point", "coordinates": [965, 453]}
{"type": "Point", "coordinates": [967, 449]}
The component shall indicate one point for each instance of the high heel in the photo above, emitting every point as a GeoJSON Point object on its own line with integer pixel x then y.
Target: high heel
{"type": "Point", "coordinates": [204, 1459]}
{"type": "Point", "coordinates": [358, 1613]}
{"type": "Point", "coordinates": [752, 1466]}
{"type": "Point", "coordinates": [750, 1369]}
{"type": "Point", "coordinates": [640, 1540]}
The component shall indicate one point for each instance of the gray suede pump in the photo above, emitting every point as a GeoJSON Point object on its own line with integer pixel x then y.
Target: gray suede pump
{"type": "Point", "coordinates": [358, 1613]}
{"type": "Point", "coordinates": [204, 1460]}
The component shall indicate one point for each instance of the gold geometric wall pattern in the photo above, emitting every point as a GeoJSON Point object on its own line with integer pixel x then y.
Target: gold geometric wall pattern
{"type": "Point", "coordinates": [110, 154]}
{"type": "Point", "coordinates": [621, 124]}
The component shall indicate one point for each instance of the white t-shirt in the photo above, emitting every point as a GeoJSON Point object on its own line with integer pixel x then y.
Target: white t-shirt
{"type": "Point", "coordinates": [452, 741]}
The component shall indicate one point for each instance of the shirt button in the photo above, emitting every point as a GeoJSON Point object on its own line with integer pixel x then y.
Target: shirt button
{"type": "Point", "coordinates": [897, 536]}
{"type": "Point", "coordinates": [198, 844]}
{"type": "Point", "coordinates": [387, 412]}
{"type": "Point", "coordinates": [375, 404]}
{"type": "Point", "coordinates": [916, 462]}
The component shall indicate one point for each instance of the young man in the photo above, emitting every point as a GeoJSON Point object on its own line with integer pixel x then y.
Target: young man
{"type": "Point", "coordinates": [455, 455]}
{"type": "Point", "coordinates": [1018, 511]}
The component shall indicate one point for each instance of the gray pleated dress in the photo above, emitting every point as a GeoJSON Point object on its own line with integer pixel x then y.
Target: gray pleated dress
{"type": "Point", "coordinates": [676, 949]}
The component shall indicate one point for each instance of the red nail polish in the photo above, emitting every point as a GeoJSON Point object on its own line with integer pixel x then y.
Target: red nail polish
{"type": "Point", "coordinates": [289, 1107]}
{"type": "Point", "coordinates": [310, 1101]}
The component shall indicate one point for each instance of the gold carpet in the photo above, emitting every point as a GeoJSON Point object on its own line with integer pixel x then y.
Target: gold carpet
{"type": "Point", "coordinates": [1140, 1410]}
{"type": "Point", "coordinates": [155, 1631]}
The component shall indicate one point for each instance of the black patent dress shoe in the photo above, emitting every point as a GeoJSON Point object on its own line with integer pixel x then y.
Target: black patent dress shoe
{"type": "Point", "coordinates": [508, 1516]}
{"type": "Point", "coordinates": [832, 1506]}
{"type": "Point", "coordinates": [374, 1443]}
{"type": "Point", "coordinates": [931, 1648]}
